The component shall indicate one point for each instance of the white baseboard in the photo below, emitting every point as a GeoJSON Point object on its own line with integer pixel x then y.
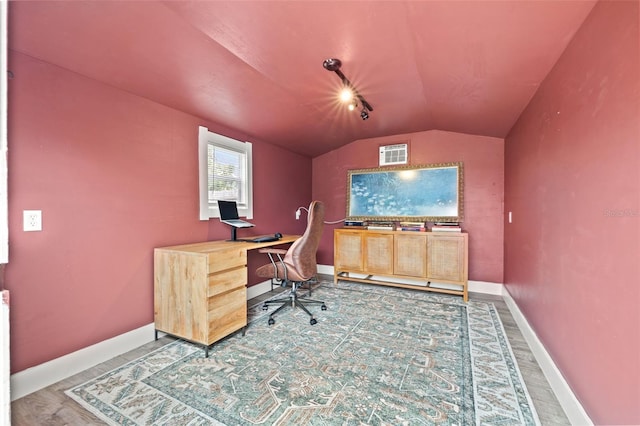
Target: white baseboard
{"type": "Point", "coordinates": [35, 378]}
{"type": "Point", "coordinates": [474, 286]}
{"type": "Point", "coordinates": [5, 370]}
{"type": "Point", "coordinates": [38, 377]}
{"type": "Point", "coordinates": [486, 287]}
{"type": "Point", "coordinates": [258, 289]}
{"type": "Point", "coordinates": [325, 269]}
{"type": "Point", "coordinates": [570, 404]}
{"type": "Point", "coordinates": [48, 373]}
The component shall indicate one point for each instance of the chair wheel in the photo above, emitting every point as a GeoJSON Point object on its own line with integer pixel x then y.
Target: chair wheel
{"type": "Point", "coordinates": [313, 321]}
{"type": "Point", "coordinates": [323, 307]}
{"type": "Point", "coordinates": [265, 307]}
{"type": "Point", "coordinates": [271, 321]}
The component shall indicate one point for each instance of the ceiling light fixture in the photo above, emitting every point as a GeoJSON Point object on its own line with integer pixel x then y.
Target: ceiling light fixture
{"type": "Point", "coordinates": [346, 95]}
{"type": "Point", "coordinates": [334, 65]}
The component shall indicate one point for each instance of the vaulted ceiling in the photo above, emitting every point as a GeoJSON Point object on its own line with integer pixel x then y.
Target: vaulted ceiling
{"type": "Point", "coordinates": [256, 66]}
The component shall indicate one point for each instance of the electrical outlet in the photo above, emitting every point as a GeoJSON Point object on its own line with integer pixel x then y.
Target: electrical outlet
{"type": "Point", "coordinates": [32, 220]}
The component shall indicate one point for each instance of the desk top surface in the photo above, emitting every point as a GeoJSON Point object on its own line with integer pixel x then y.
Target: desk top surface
{"type": "Point", "coordinates": [210, 246]}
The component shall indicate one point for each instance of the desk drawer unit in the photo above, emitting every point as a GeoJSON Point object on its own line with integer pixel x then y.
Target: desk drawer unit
{"type": "Point", "coordinates": [227, 303]}
{"type": "Point", "coordinates": [200, 291]}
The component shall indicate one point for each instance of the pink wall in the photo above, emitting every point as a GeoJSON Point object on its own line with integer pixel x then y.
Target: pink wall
{"type": "Point", "coordinates": [573, 185]}
{"type": "Point", "coordinates": [115, 175]}
{"type": "Point", "coordinates": [483, 159]}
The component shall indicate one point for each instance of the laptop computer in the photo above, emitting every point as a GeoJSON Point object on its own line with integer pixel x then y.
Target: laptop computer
{"type": "Point", "coordinates": [229, 215]}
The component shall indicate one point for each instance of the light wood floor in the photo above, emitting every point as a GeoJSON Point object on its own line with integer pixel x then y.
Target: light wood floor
{"type": "Point", "coordinates": [51, 407]}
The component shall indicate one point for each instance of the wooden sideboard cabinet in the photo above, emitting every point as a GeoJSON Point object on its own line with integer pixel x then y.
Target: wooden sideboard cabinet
{"type": "Point", "coordinates": [200, 290]}
{"type": "Point", "coordinates": [433, 261]}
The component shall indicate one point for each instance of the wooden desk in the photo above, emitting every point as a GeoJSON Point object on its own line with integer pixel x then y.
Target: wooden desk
{"type": "Point", "coordinates": [200, 291]}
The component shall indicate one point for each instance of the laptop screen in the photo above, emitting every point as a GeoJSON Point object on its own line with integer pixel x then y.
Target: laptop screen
{"type": "Point", "coordinates": [228, 210]}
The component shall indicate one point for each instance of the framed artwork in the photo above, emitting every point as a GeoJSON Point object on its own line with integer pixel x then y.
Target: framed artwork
{"type": "Point", "coordinates": [429, 193]}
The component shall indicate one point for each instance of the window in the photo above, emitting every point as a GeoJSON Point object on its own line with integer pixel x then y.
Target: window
{"type": "Point", "coordinates": [225, 174]}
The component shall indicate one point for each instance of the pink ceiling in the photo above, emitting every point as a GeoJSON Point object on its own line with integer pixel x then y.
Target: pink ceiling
{"type": "Point", "coordinates": [256, 66]}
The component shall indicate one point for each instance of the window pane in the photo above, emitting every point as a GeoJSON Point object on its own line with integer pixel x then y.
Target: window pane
{"type": "Point", "coordinates": [225, 172]}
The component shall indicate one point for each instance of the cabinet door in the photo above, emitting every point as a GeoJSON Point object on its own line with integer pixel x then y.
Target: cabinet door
{"type": "Point", "coordinates": [447, 257]}
{"type": "Point", "coordinates": [378, 253]}
{"type": "Point", "coordinates": [347, 251]}
{"type": "Point", "coordinates": [410, 257]}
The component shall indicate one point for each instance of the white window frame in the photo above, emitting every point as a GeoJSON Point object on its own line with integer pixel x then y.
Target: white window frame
{"type": "Point", "coordinates": [5, 361]}
{"type": "Point", "coordinates": [206, 138]}
{"type": "Point", "coordinates": [4, 215]}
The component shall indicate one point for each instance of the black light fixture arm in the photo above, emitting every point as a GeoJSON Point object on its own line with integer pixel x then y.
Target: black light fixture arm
{"type": "Point", "coordinates": [334, 65]}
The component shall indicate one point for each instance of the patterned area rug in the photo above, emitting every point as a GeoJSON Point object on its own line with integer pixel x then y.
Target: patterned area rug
{"type": "Point", "coordinates": [377, 356]}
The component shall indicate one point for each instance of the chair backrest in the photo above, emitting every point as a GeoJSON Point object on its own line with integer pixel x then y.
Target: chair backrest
{"type": "Point", "coordinates": [301, 256]}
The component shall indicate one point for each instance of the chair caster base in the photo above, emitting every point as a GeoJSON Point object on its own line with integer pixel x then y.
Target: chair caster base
{"type": "Point", "coordinates": [265, 307]}
{"type": "Point", "coordinates": [323, 307]}
{"type": "Point", "coordinates": [313, 321]}
{"type": "Point", "coordinates": [271, 321]}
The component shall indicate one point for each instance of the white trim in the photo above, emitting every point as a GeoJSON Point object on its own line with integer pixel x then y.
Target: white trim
{"type": "Point", "coordinates": [35, 378]}
{"type": "Point", "coordinates": [325, 269]}
{"type": "Point", "coordinates": [5, 370]}
{"type": "Point", "coordinates": [568, 401]}
{"type": "Point", "coordinates": [258, 289]}
{"type": "Point", "coordinates": [40, 376]}
{"type": "Point", "coordinates": [4, 104]}
{"type": "Point", "coordinates": [206, 138]}
{"type": "Point", "coordinates": [486, 287]}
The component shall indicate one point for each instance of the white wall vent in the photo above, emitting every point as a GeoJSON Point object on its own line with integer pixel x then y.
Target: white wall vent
{"type": "Point", "coordinates": [394, 154]}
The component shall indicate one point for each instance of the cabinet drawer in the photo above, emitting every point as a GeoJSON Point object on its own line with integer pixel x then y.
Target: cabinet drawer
{"type": "Point", "coordinates": [227, 313]}
{"type": "Point", "coordinates": [227, 280]}
{"type": "Point", "coordinates": [221, 260]}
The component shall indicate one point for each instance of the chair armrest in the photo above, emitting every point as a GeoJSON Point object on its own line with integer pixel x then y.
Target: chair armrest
{"type": "Point", "coordinates": [279, 267]}
{"type": "Point", "coordinates": [272, 251]}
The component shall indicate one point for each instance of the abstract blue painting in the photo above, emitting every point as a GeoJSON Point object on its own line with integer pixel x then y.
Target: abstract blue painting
{"type": "Point", "coordinates": [428, 192]}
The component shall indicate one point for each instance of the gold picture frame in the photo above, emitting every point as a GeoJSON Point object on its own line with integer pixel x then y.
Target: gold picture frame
{"type": "Point", "coordinates": [426, 193]}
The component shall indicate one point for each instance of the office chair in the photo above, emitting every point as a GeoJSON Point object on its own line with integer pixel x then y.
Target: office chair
{"type": "Point", "coordinates": [297, 267]}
